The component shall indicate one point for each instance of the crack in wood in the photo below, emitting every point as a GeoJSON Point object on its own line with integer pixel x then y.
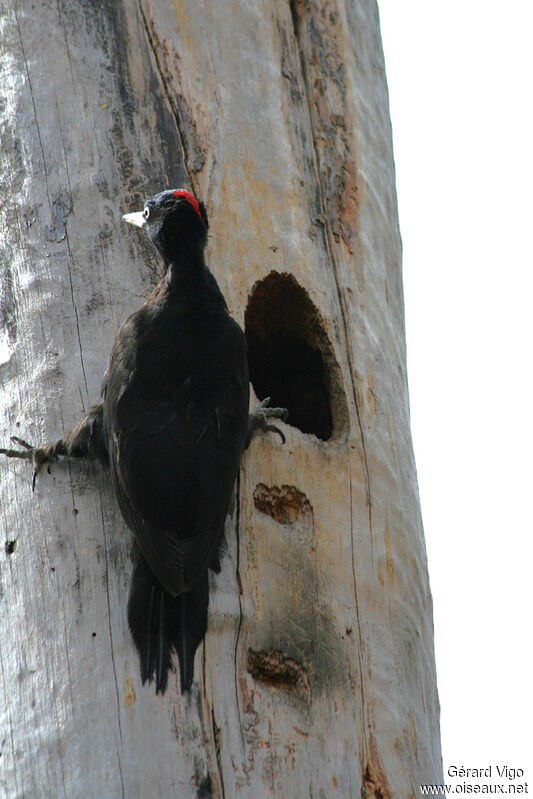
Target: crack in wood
{"type": "Point", "coordinates": [170, 99]}
{"type": "Point", "coordinates": [117, 693]}
{"type": "Point", "coordinates": [328, 239]}
{"type": "Point", "coordinates": [37, 127]}
{"type": "Point", "coordinates": [59, 207]}
{"type": "Point", "coordinates": [372, 788]}
{"type": "Point", "coordinates": [216, 739]}
{"type": "Point", "coordinates": [357, 619]}
{"type": "Point", "coordinates": [239, 595]}
{"type": "Point", "coordinates": [297, 10]}
{"type": "Point", "coordinates": [63, 207]}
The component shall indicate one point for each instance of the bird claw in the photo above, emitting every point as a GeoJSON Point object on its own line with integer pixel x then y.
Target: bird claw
{"type": "Point", "coordinates": [37, 455]}
{"type": "Point", "coordinates": [258, 420]}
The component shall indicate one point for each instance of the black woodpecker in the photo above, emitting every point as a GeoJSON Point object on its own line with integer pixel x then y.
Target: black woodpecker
{"type": "Point", "coordinates": [172, 425]}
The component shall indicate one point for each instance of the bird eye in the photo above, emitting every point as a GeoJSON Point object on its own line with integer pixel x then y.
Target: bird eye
{"type": "Point", "coordinates": [146, 212]}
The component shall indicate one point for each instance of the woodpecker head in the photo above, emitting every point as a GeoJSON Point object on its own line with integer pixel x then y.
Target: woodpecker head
{"type": "Point", "coordinates": [174, 221]}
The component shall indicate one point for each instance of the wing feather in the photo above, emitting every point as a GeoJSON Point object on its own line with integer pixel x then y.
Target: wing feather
{"type": "Point", "coordinates": [174, 458]}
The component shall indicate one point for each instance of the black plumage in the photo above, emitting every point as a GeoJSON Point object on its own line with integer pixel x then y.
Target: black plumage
{"type": "Point", "coordinates": [171, 426]}
{"type": "Point", "coordinates": [175, 415]}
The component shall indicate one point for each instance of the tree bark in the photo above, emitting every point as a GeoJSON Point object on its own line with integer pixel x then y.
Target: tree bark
{"type": "Point", "coordinates": [317, 675]}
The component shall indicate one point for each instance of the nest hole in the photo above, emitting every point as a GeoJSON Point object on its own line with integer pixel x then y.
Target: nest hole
{"type": "Point", "coordinates": [290, 357]}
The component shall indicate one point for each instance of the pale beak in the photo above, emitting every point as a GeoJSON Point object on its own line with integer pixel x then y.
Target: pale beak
{"type": "Point", "coordinates": [136, 219]}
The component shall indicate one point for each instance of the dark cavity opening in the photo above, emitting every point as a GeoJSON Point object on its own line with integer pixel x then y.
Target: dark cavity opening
{"type": "Point", "coordinates": [290, 357]}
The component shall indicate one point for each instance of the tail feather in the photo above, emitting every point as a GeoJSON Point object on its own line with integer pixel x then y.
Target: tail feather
{"type": "Point", "coordinates": [160, 623]}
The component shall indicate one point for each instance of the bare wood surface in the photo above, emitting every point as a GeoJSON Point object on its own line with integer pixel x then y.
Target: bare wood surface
{"type": "Point", "coordinates": [317, 677]}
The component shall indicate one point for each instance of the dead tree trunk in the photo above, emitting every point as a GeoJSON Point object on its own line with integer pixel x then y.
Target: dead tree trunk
{"type": "Point", "coordinates": [317, 676]}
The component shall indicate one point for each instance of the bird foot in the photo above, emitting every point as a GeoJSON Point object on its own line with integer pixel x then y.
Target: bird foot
{"type": "Point", "coordinates": [259, 420]}
{"type": "Point", "coordinates": [37, 455]}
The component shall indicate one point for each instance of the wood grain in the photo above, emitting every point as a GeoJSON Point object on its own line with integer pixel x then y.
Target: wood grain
{"type": "Point", "coordinates": [317, 676]}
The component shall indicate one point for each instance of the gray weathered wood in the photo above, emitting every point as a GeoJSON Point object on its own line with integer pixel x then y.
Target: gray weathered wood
{"type": "Point", "coordinates": [317, 676]}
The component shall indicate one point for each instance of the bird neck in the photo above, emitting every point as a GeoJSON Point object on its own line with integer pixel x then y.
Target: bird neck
{"type": "Point", "coordinates": [184, 268]}
{"type": "Point", "coordinates": [189, 276]}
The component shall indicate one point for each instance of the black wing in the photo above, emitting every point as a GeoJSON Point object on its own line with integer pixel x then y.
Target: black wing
{"type": "Point", "coordinates": [174, 451]}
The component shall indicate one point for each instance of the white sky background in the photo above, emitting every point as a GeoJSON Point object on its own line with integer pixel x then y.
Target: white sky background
{"type": "Point", "coordinates": [460, 78]}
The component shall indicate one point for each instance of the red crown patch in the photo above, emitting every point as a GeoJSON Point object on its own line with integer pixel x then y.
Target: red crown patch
{"type": "Point", "coordinates": [191, 199]}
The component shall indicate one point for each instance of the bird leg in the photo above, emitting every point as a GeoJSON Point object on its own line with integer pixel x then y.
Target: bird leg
{"type": "Point", "coordinates": [259, 420]}
{"type": "Point", "coordinates": [84, 441]}
{"type": "Point", "coordinates": [37, 455]}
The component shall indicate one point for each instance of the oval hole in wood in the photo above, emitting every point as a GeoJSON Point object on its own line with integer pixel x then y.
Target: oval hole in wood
{"type": "Point", "coordinates": [290, 357]}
